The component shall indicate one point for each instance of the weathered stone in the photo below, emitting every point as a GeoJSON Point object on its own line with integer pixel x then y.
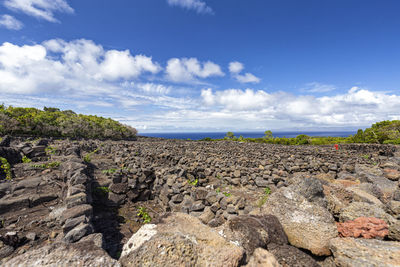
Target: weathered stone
{"type": "Point", "coordinates": [73, 222]}
{"type": "Point", "coordinates": [307, 225]}
{"type": "Point", "coordinates": [197, 206]}
{"type": "Point", "coordinates": [394, 231]}
{"type": "Point", "coordinates": [178, 240]}
{"type": "Point", "coordinates": [262, 258]}
{"type": "Point", "coordinates": [200, 193]}
{"type": "Point", "coordinates": [97, 239]}
{"type": "Point", "coordinates": [62, 254]}
{"type": "Point", "coordinates": [363, 227]}
{"type": "Point", "coordinates": [115, 199]}
{"type": "Point", "coordinates": [291, 256]}
{"type": "Point", "coordinates": [78, 232]}
{"type": "Point", "coordinates": [76, 200]}
{"type": "Point", "coordinates": [392, 174]}
{"type": "Point", "coordinates": [119, 188]}
{"type": "Point", "coordinates": [365, 252]}
{"type": "Point", "coordinates": [360, 209]}
{"type": "Point", "coordinates": [77, 211]}
{"type": "Point", "coordinates": [17, 203]}
{"type": "Point", "coordinates": [207, 215]}
{"type": "Point", "coordinates": [251, 232]}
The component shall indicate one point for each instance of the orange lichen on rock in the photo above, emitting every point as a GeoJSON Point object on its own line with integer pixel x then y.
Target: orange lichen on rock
{"type": "Point", "coordinates": [365, 227]}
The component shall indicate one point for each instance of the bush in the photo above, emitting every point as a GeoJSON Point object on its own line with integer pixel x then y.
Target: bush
{"type": "Point", "coordinates": [57, 123]}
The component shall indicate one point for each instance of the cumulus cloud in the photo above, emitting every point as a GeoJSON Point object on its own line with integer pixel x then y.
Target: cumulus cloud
{"type": "Point", "coordinates": [189, 69]}
{"type": "Point", "coordinates": [235, 68]}
{"type": "Point", "coordinates": [77, 66]}
{"type": "Point", "coordinates": [356, 107]}
{"type": "Point", "coordinates": [11, 23]}
{"type": "Point", "coordinates": [41, 9]}
{"type": "Point", "coordinates": [196, 5]}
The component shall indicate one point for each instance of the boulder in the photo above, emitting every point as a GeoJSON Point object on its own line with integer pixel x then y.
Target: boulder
{"type": "Point", "coordinates": [179, 240]}
{"type": "Point", "coordinates": [363, 227]}
{"type": "Point", "coordinates": [365, 252]}
{"type": "Point", "coordinates": [394, 231]}
{"type": "Point", "coordinates": [63, 254]}
{"type": "Point", "coordinates": [306, 224]}
{"type": "Point", "coordinates": [262, 258]}
{"type": "Point", "coordinates": [360, 209]}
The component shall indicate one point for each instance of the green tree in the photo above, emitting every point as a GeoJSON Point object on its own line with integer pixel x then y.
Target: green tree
{"type": "Point", "coordinates": [268, 134]}
{"type": "Point", "coordinates": [230, 135]}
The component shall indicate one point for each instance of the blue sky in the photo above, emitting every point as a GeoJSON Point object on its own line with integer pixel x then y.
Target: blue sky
{"type": "Point", "coordinates": [205, 65]}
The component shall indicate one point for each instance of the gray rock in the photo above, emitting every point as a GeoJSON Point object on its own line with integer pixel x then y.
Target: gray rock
{"type": "Point", "coordinates": [77, 211]}
{"type": "Point", "coordinates": [306, 224]}
{"type": "Point", "coordinates": [394, 231]}
{"type": "Point", "coordinates": [78, 232]}
{"type": "Point", "coordinates": [361, 209]}
{"type": "Point", "coordinates": [365, 252]}
{"type": "Point", "coordinates": [179, 240]}
{"type": "Point", "coordinates": [63, 254]}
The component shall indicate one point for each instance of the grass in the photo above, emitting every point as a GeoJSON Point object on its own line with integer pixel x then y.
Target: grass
{"type": "Point", "coordinates": [109, 171]}
{"type": "Point", "coordinates": [88, 157]}
{"type": "Point", "coordinates": [49, 165]}
{"type": "Point", "coordinates": [194, 183]}
{"type": "Point", "coordinates": [264, 198]}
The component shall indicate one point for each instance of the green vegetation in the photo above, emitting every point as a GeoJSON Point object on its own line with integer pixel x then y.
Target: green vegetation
{"type": "Point", "coordinates": [50, 150]}
{"type": "Point", "coordinates": [142, 213]}
{"type": "Point", "coordinates": [25, 159]}
{"type": "Point", "coordinates": [109, 171]}
{"type": "Point", "coordinates": [49, 165]}
{"type": "Point", "coordinates": [194, 182]}
{"type": "Point", "coordinates": [6, 167]}
{"type": "Point", "coordinates": [88, 157]}
{"type": "Point", "coordinates": [227, 194]}
{"type": "Point", "coordinates": [267, 192]}
{"type": "Point", "coordinates": [57, 123]}
{"type": "Point", "coordinates": [384, 132]}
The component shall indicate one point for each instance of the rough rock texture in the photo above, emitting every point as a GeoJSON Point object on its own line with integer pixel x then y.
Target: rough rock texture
{"type": "Point", "coordinates": [64, 255]}
{"type": "Point", "coordinates": [180, 240]}
{"type": "Point", "coordinates": [307, 225]}
{"type": "Point", "coordinates": [394, 231]}
{"type": "Point", "coordinates": [360, 209]}
{"type": "Point", "coordinates": [365, 252]}
{"type": "Point", "coordinates": [262, 257]}
{"type": "Point", "coordinates": [363, 227]}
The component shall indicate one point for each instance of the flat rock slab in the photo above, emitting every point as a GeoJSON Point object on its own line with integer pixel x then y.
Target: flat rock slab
{"type": "Point", "coordinates": [64, 255]}
{"type": "Point", "coordinates": [179, 240]}
{"type": "Point", "coordinates": [365, 252]}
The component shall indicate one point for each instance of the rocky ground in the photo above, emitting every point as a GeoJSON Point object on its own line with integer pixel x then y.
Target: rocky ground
{"type": "Point", "coordinates": [155, 202]}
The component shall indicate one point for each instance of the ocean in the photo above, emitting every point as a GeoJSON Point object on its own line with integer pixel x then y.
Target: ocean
{"type": "Point", "coordinates": [219, 135]}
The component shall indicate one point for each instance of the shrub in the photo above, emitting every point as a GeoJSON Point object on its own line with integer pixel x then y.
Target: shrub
{"type": "Point", "coordinates": [6, 167]}
{"type": "Point", "coordinates": [144, 215]}
{"type": "Point", "coordinates": [57, 123]}
{"type": "Point", "coordinates": [25, 159]}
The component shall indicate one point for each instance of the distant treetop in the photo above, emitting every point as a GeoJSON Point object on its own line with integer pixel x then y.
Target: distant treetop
{"type": "Point", "coordinates": [54, 122]}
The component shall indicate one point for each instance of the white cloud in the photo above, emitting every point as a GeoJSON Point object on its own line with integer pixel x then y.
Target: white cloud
{"type": "Point", "coordinates": [42, 9]}
{"type": "Point", "coordinates": [196, 5]}
{"type": "Point", "coordinates": [10, 22]}
{"type": "Point", "coordinates": [235, 68]}
{"type": "Point", "coordinates": [356, 107]}
{"type": "Point", "coordinates": [316, 87]}
{"type": "Point", "coordinates": [79, 66]}
{"type": "Point", "coordinates": [189, 69]}
{"type": "Point", "coordinates": [247, 78]}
